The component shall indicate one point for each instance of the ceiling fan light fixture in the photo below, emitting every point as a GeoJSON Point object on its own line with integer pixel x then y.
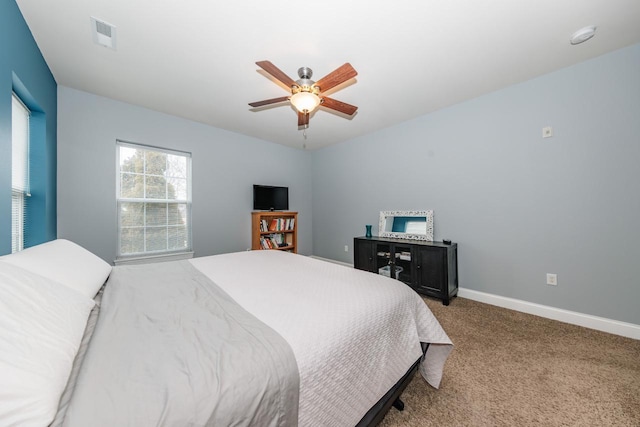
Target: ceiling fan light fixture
{"type": "Point", "coordinates": [306, 94]}
{"type": "Point", "coordinates": [305, 102]}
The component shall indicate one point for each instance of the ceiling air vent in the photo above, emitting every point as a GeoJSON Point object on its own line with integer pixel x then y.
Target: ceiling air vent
{"type": "Point", "coordinates": [103, 33]}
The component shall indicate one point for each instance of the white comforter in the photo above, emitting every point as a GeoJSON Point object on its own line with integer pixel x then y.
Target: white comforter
{"type": "Point", "coordinates": [354, 334]}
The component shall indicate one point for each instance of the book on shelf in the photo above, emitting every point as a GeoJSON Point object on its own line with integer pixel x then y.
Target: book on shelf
{"type": "Point", "coordinates": [273, 224]}
{"type": "Point", "coordinates": [272, 241]}
{"type": "Point", "coordinates": [277, 224]}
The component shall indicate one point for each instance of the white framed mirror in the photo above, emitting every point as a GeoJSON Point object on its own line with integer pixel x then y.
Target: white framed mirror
{"type": "Point", "coordinates": [411, 225]}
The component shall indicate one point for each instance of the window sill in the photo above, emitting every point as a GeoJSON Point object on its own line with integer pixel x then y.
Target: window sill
{"type": "Point", "coordinates": [153, 258]}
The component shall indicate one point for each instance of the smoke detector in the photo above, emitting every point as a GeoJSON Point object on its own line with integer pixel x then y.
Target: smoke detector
{"type": "Point", "coordinates": [103, 33]}
{"type": "Point", "coordinates": [583, 34]}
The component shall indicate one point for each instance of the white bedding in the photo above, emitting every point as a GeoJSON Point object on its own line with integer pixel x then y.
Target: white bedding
{"type": "Point", "coordinates": [41, 325]}
{"type": "Point", "coordinates": [170, 348]}
{"type": "Point", "coordinates": [354, 334]}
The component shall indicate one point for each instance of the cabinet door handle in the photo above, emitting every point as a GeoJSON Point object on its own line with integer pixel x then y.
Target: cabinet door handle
{"type": "Point", "coordinates": [418, 266]}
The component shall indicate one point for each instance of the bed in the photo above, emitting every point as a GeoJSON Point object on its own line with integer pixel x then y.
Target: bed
{"type": "Point", "coordinates": [248, 338]}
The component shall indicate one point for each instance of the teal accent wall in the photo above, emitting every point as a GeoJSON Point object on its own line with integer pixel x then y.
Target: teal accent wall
{"type": "Point", "coordinates": [24, 71]}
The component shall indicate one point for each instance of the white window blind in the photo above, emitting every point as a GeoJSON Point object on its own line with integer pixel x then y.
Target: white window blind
{"type": "Point", "coordinates": [19, 172]}
{"type": "Point", "coordinates": [154, 200]}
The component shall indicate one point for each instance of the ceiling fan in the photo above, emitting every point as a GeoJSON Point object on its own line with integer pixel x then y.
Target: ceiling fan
{"type": "Point", "coordinates": [306, 94]}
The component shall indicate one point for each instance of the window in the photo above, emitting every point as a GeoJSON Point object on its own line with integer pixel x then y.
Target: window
{"type": "Point", "coordinates": [154, 201]}
{"type": "Point", "coordinates": [19, 171]}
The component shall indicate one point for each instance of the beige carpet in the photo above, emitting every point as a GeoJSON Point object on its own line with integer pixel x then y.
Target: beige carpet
{"type": "Point", "coordinates": [513, 369]}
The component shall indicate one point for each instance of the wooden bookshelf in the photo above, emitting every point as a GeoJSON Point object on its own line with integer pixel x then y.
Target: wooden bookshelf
{"type": "Point", "coordinates": [276, 230]}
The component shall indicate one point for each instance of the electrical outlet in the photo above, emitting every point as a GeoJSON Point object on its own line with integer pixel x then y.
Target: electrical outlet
{"type": "Point", "coordinates": [547, 132]}
{"type": "Point", "coordinates": [346, 248]}
{"type": "Point", "coordinates": [552, 279]}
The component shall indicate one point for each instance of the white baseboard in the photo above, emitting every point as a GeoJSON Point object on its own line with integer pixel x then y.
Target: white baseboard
{"type": "Point", "coordinates": [346, 264]}
{"type": "Point", "coordinates": [616, 327]}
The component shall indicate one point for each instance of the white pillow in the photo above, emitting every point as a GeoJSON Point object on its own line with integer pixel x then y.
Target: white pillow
{"type": "Point", "coordinates": [41, 325]}
{"type": "Point", "coordinates": [66, 263]}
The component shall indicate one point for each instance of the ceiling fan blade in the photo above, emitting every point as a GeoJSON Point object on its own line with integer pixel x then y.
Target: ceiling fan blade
{"type": "Point", "coordinates": [303, 119]}
{"type": "Point", "coordinates": [269, 101]}
{"type": "Point", "coordinates": [340, 106]}
{"type": "Point", "coordinates": [336, 77]}
{"type": "Point", "coordinates": [276, 72]}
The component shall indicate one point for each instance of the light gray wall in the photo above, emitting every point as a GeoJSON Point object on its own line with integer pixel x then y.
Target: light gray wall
{"type": "Point", "coordinates": [225, 165]}
{"type": "Point", "coordinates": [518, 205]}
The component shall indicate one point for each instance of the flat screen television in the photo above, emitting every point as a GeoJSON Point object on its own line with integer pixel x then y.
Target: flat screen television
{"type": "Point", "coordinates": [270, 198]}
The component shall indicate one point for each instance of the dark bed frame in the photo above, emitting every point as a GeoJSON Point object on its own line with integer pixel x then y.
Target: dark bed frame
{"type": "Point", "coordinates": [392, 397]}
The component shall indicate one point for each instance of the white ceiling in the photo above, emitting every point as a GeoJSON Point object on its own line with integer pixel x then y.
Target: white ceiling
{"type": "Point", "coordinates": [196, 58]}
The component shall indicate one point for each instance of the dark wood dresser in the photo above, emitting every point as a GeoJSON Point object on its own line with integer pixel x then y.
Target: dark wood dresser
{"type": "Point", "coordinates": [430, 268]}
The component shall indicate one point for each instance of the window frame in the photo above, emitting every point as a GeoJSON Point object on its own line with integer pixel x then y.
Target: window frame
{"type": "Point", "coordinates": [20, 193]}
{"type": "Point", "coordinates": [146, 255]}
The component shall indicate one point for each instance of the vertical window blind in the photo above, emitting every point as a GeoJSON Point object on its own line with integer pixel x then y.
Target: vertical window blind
{"type": "Point", "coordinates": [19, 172]}
{"type": "Point", "coordinates": [154, 200]}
